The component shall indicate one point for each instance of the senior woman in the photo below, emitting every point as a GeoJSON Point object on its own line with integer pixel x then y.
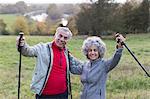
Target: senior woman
{"type": "Point", "coordinates": [94, 71]}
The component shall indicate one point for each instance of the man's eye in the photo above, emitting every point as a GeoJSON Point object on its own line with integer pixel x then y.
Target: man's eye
{"type": "Point", "coordinates": [60, 35]}
{"type": "Point", "coordinates": [65, 38]}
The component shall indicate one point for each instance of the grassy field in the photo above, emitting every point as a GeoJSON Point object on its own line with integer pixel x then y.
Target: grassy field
{"type": "Point", "coordinates": [126, 81]}
{"type": "Point", "coordinates": [9, 19]}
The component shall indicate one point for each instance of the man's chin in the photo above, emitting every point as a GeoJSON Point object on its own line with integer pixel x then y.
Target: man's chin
{"type": "Point", "coordinates": [61, 46]}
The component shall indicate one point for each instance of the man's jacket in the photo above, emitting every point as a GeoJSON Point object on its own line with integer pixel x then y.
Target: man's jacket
{"type": "Point", "coordinates": [44, 60]}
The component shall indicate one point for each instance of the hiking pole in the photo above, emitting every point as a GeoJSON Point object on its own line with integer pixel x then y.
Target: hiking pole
{"type": "Point", "coordinates": [70, 89]}
{"type": "Point", "coordinates": [123, 43]}
{"type": "Point", "coordinates": [70, 86]}
{"type": "Point", "coordinates": [136, 59]}
{"type": "Point", "coordinates": [19, 49]}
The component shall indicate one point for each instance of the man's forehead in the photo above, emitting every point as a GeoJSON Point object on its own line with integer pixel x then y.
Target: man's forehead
{"type": "Point", "coordinates": [65, 34]}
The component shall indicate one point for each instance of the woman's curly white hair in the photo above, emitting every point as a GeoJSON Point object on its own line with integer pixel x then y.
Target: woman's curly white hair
{"type": "Point", "coordinates": [94, 40]}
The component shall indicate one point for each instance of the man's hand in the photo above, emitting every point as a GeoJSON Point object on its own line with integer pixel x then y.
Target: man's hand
{"type": "Point", "coordinates": [20, 41]}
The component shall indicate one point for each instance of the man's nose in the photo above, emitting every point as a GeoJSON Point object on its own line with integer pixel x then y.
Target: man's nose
{"type": "Point", "coordinates": [62, 39]}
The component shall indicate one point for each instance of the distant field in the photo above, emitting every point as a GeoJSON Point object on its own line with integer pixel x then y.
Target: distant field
{"type": "Point", "coordinates": [127, 81]}
{"type": "Point", "coordinates": [9, 19]}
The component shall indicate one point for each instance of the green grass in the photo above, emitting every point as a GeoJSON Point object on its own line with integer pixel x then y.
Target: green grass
{"type": "Point", "coordinates": [9, 19]}
{"type": "Point", "coordinates": [126, 81]}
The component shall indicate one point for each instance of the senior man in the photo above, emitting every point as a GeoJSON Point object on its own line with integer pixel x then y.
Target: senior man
{"type": "Point", "coordinates": [50, 78]}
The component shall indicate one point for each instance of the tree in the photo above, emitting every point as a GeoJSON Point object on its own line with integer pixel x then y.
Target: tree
{"type": "Point", "coordinates": [21, 7]}
{"type": "Point", "coordinates": [127, 13]}
{"type": "Point", "coordinates": [53, 12]}
{"type": "Point", "coordinates": [83, 20]}
{"type": "Point", "coordinates": [143, 16]}
{"type": "Point", "coordinates": [32, 27]}
{"type": "Point", "coordinates": [3, 27]}
{"type": "Point", "coordinates": [21, 24]}
{"type": "Point", "coordinates": [115, 19]}
{"type": "Point", "coordinates": [72, 25]}
{"type": "Point", "coordinates": [41, 28]}
{"type": "Point", "coordinates": [94, 19]}
{"type": "Point", "coordinates": [136, 16]}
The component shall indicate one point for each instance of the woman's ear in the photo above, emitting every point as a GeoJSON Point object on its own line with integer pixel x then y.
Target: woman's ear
{"type": "Point", "coordinates": [87, 56]}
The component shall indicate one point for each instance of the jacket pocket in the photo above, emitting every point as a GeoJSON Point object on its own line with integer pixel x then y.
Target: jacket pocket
{"type": "Point", "coordinates": [37, 78]}
{"type": "Point", "coordinates": [100, 92]}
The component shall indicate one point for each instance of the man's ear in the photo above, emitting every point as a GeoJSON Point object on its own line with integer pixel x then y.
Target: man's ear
{"type": "Point", "coordinates": [55, 35]}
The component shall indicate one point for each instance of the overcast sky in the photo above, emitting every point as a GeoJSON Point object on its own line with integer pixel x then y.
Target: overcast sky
{"type": "Point", "coordinates": [50, 1]}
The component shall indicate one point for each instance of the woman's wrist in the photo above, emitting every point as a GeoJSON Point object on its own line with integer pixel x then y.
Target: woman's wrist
{"type": "Point", "coordinates": [119, 46]}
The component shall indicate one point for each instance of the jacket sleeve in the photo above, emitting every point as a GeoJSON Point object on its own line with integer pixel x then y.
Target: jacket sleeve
{"type": "Point", "coordinates": [30, 51]}
{"type": "Point", "coordinates": [76, 65]}
{"type": "Point", "coordinates": [112, 62]}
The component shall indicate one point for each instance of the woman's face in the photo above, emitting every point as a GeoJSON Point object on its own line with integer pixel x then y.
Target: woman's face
{"type": "Point", "coordinates": [93, 53]}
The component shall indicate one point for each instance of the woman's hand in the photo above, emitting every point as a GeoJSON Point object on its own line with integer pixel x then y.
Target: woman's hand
{"type": "Point", "coordinates": [120, 40]}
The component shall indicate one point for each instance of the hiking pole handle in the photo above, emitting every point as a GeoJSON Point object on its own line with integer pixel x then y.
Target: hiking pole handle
{"type": "Point", "coordinates": [19, 41]}
{"type": "Point", "coordinates": [118, 40]}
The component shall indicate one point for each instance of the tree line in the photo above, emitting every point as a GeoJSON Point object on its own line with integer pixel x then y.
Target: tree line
{"type": "Point", "coordinates": [102, 17]}
{"type": "Point", "coordinates": [105, 17]}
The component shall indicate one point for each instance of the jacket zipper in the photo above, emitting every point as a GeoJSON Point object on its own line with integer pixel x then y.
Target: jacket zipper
{"type": "Point", "coordinates": [60, 58]}
{"type": "Point", "coordinates": [87, 79]}
{"type": "Point", "coordinates": [47, 72]}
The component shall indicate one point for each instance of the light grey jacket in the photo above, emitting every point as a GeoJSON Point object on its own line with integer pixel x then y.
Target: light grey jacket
{"type": "Point", "coordinates": [94, 75]}
{"type": "Point", "coordinates": [44, 60]}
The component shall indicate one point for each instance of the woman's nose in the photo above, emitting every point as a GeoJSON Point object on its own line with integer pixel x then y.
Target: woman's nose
{"type": "Point", "coordinates": [92, 51]}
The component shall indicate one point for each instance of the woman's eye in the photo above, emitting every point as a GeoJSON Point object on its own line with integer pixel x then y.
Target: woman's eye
{"type": "Point", "coordinates": [95, 50]}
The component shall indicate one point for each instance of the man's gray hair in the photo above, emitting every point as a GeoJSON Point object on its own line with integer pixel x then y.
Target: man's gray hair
{"type": "Point", "coordinates": [94, 40]}
{"type": "Point", "coordinates": [64, 29]}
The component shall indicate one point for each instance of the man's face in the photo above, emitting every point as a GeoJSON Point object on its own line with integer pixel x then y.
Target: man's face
{"type": "Point", "coordinates": [61, 39]}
